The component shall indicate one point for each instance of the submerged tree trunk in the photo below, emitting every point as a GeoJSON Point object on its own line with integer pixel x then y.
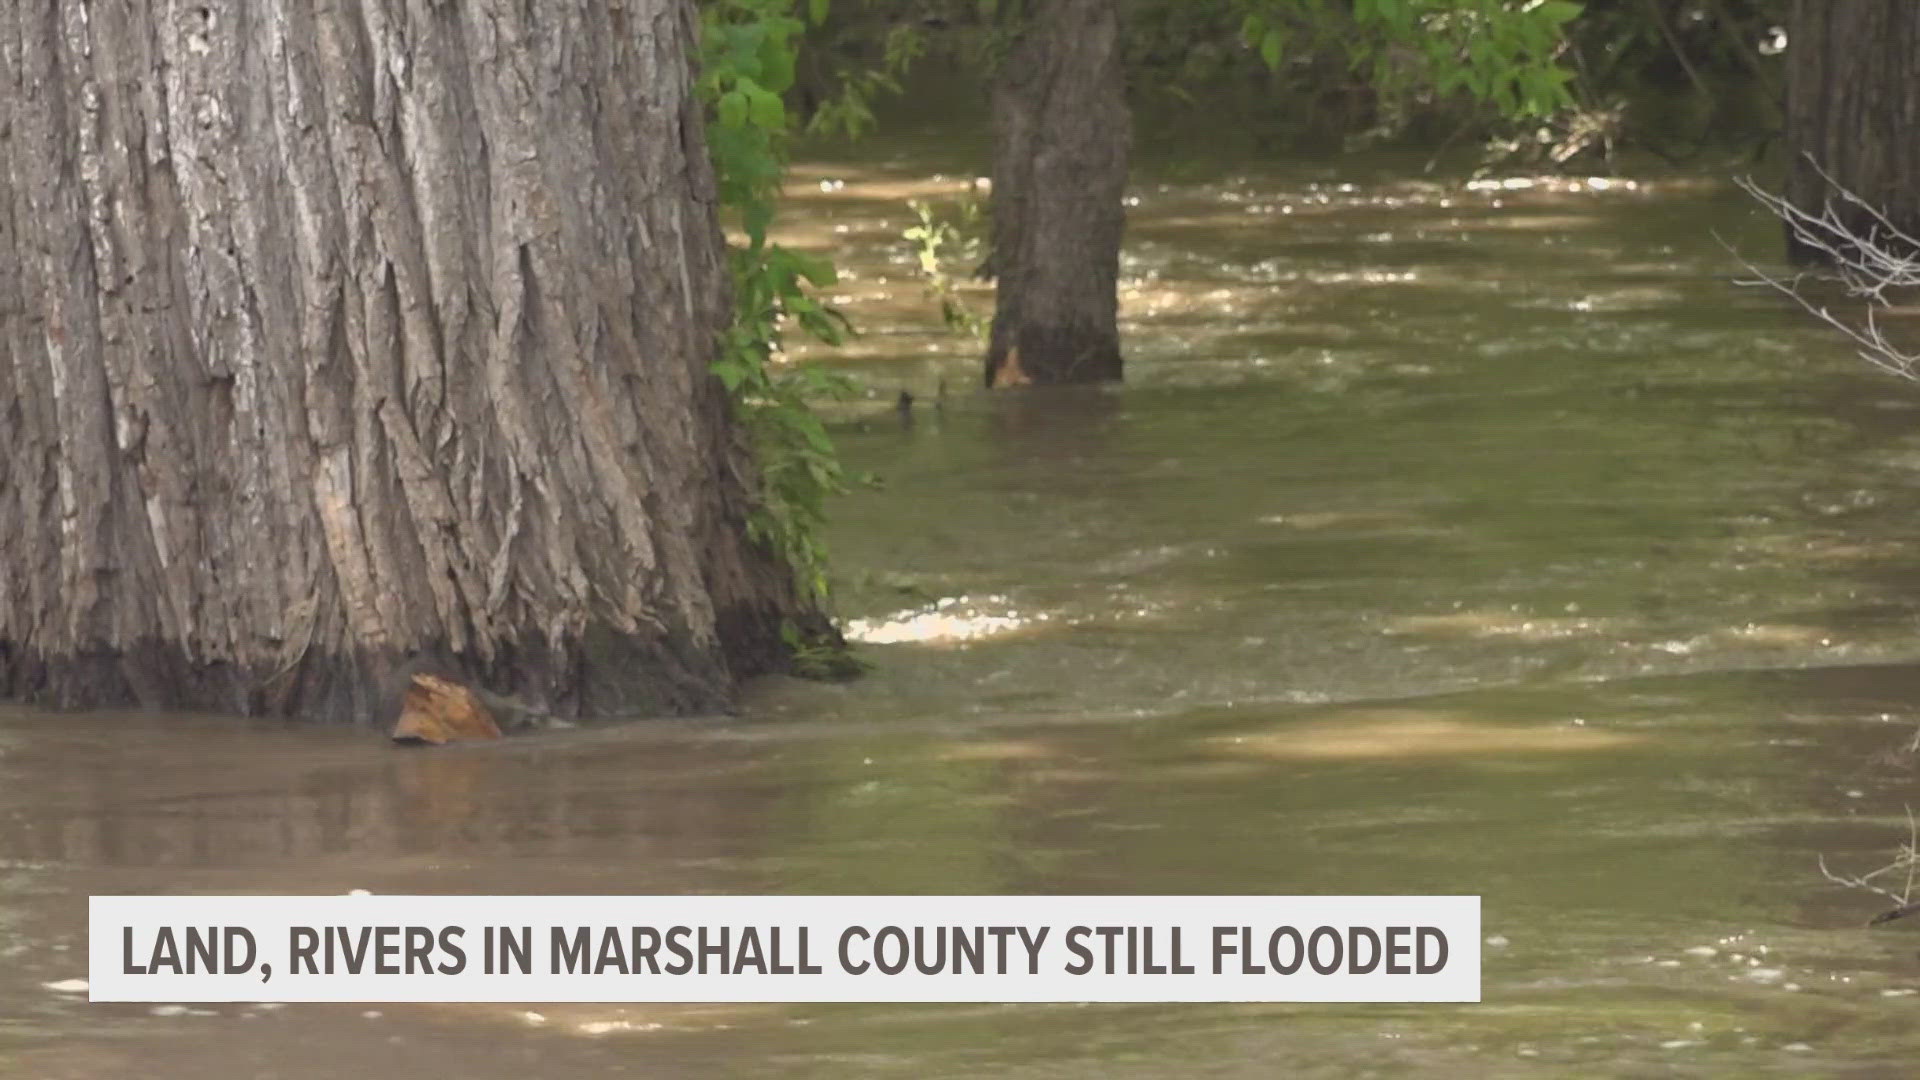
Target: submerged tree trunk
{"type": "Point", "coordinates": [1853, 111]}
{"type": "Point", "coordinates": [1061, 134]}
{"type": "Point", "coordinates": [334, 337]}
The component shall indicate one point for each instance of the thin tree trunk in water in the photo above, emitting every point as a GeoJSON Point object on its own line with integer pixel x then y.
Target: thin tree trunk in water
{"type": "Point", "coordinates": [339, 336]}
{"type": "Point", "coordinates": [1853, 107]}
{"type": "Point", "coordinates": [1061, 134]}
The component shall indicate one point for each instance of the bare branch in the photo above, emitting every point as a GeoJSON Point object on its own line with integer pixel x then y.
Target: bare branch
{"type": "Point", "coordinates": [1908, 860]}
{"type": "Point", "coordinates": [1869, 264]}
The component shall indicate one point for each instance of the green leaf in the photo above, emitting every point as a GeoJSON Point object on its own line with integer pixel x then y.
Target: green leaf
{"type": "Point", "coordinates": [817, 11]}
{"type": "Point", "coordinates": [1398, 16]}
{"type": "Point", "coordinates": [776, 63]}
{"type": "Point", "coordinates": [766, 110]}
{"type": "Point", "coordinates": [818, 271]}
{"type": "Point", "coordinates": [733, 109]}
{"type": "Point", "coordinates": [1270, 47]}
{"type": "Point", "coordinates": [730, 375]}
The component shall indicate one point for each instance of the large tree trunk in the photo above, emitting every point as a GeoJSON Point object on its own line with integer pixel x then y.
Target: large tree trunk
{"type": "Point", "coordinates": [1853, 108]}
{"type": "Point", "coordinates": [338, 336]}
{"type": "Point", "coordinates": [1061, 133]}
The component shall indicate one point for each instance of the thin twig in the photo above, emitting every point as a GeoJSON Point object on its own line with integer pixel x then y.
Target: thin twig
{"type": "Point", "coordinates": [1868, 266]}
{"type": "Point", "coordinates": [1908, 860]}
{"type": "Point", "coordinates": [1863, 881]}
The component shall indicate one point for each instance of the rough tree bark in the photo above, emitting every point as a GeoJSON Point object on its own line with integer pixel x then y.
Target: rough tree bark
{"type": "Point", "coordinates": [1853, 110]}
{"type": "Point", "coordinates": [337, 336]}
{"type": "Point", "coordinates": [1061, 135]}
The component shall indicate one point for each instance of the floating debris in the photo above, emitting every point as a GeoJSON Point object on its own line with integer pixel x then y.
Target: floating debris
{"type": "Point", "coordinates": [437, 710]}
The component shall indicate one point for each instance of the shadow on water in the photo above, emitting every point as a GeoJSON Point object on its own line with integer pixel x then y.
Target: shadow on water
{"type": "Point", "coordinates": [1443, 540]}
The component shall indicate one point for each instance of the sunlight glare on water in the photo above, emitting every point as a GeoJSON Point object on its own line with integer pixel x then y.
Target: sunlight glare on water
{"type": "Point", "coordinates": [952, 619]}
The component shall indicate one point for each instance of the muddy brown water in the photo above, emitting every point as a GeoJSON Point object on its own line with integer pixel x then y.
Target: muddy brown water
{"type": "Point", "coordinates": [1443, 540]}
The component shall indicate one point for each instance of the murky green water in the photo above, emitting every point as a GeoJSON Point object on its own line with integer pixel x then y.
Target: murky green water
{"type": "Point", "coordinates": [1442, 541]}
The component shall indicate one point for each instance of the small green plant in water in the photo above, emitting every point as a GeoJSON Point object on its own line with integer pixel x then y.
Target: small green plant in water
{"type": "Point", "coordinates": [941, 238]}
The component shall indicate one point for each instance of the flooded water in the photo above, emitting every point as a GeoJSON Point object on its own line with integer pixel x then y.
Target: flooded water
{"type": "Point", "coordinates": [1443, 540]}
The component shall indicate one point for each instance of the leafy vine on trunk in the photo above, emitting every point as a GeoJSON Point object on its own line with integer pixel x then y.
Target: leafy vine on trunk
{"type": "Point", "coordinates": [748, 54]}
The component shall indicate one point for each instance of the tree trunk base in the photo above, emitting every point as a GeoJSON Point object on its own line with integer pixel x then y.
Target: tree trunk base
{"type": "Point", "coordinates": [1053, 356]}
{"type": "Point", "coordinates": [605, 674]}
